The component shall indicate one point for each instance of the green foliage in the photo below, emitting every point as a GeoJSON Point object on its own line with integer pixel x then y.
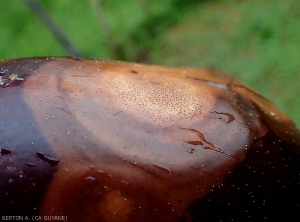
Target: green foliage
{"type": "Point", "coordinates": [255, 41]}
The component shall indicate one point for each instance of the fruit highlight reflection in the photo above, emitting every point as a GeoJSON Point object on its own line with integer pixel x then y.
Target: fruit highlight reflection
{"type": "Point", "coordinates": [112, 141]}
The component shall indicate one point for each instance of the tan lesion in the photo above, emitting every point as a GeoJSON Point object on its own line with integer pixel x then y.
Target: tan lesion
{"type": "Point", "coordinates": [171, 103]}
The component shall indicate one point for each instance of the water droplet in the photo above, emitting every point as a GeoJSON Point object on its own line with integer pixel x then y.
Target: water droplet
{"type": "Point", "coordinates": [123, 181]}
{"type": "Point", "coordinates": [166, 170]}
{"type": "Point", "coordinates": [272, 114]}
{"type": "Point", "coordinates": [90, 178]}
{"type": "Point", "coordinates": [30, 164]}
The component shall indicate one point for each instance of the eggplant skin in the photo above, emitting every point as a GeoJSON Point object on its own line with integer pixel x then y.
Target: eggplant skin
{"type": "Point", "coordinates": [98, 140]}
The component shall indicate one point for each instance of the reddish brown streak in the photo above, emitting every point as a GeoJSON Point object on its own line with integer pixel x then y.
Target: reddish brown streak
{"type": "Point", "coordinates": [194, 142]}
{"type": "Point", "coordinates": [210, 147]}
{"type": "Point", "coordinates": [230, 117]}
{"type": "Point", "coordinates": [201, 136]}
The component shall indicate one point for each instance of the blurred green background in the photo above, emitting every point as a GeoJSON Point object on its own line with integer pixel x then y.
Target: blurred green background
{"type": "Point", "coordinates": [256, 41]}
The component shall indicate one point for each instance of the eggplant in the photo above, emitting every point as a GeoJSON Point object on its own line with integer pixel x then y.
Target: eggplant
{"type": "Point", "coordinates": [97, 140]}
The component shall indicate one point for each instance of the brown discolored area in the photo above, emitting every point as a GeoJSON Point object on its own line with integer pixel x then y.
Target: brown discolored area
{"type": "Point", "coordinates": [115, 141]}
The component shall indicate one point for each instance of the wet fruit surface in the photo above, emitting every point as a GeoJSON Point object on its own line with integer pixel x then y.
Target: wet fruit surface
{"type": "Point", "coordinates": [110, 141]}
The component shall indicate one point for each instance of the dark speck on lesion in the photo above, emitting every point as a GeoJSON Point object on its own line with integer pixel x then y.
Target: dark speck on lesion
{"type": "Point", "coordinates": [134, 71]}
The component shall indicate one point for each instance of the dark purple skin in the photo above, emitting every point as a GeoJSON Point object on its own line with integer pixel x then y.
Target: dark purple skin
{"type": "Point", "coordinates": [97, 140]}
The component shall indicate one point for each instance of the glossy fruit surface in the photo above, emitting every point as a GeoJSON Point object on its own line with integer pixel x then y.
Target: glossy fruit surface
{"type": "Point", "coordinates": [101, 140]}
